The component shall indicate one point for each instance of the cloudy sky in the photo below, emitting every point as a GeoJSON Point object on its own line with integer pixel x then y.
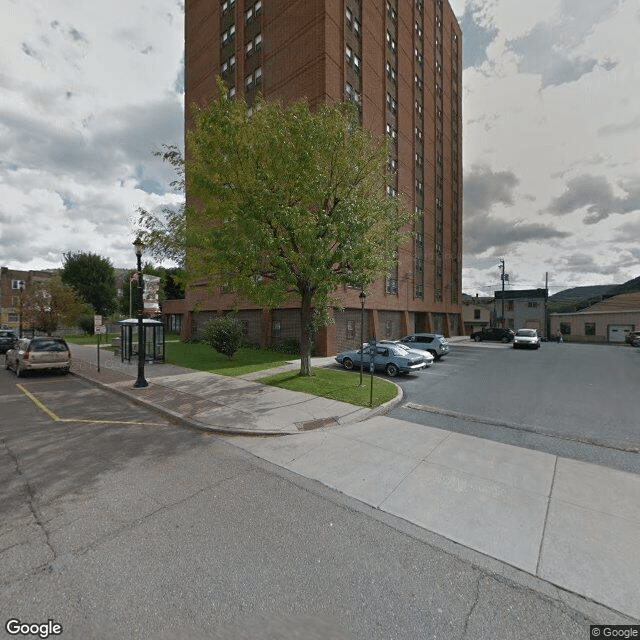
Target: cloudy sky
{"type": "Point", "coordinates": [551, 136]}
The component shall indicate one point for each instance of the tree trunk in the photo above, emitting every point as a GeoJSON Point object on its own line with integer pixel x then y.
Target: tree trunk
{"type": "Point", "coordinates": [306, 316]}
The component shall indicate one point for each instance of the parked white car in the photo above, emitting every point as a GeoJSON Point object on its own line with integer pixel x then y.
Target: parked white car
{"type": "Point", "coordinates": [37, 354]}
{"type": "Point", "coordinates": [526, 339]}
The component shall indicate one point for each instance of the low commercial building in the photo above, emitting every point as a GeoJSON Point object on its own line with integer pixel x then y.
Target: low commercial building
{"type": "Point", "coordinates": [477, 313]}
{"type": "Point", "coordinates": [607, 321]}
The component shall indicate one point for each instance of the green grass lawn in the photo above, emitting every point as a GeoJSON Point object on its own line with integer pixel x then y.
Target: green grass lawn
{"type": "Point", "coordinates": [200, 356]}
{"type": "Point", "coordinates": [336, 385]}
{"type": "Point", "coordinates": [89, 338]}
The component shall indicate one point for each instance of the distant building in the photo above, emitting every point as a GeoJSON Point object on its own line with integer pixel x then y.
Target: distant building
{"type": "Point", "coordinates": [400, 61]}
{"type": "Point", "coordinates": [477, 313]}
{"type": "Point", "coordinates": [13, 284]}
{"type": "Point", "coordinates": [607, 321]}
{"type": "Point", "coordinates": [523, 309]}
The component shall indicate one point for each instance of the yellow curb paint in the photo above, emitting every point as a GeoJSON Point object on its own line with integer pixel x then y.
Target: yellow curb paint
{"type": "Point", "coordinates": [38, 403]}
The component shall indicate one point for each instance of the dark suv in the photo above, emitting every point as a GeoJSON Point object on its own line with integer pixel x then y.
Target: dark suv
{"type": "Point", "coordinates": [496, 334]}
{"type": "Point", "coordinates": [7, 340]}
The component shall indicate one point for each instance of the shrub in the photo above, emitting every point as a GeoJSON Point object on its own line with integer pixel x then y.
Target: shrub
{"type": "Point", "coordinates": [288, 345]}
{"type": "Point", "coordinates": [85, 324]}
{"type": "Point", "coordinates": [224, 335]}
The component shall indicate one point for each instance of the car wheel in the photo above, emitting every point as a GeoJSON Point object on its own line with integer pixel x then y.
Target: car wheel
{"type": "Point", "coordinates": [6, 363]}
{"type": "Point", "coordinates": [348, 363]}
{"type": "Point", "coordinates": [477, 338]}
{"type": "Point", "coordinates": [392, 370]}
{"type": "Point", "coordinates": [505, 340]}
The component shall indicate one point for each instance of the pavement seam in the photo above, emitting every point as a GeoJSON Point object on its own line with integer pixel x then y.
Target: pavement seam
{"type": "Point", "coordinates": [518, 427]}
{"type": "Point", "coordinates": [546, 516]}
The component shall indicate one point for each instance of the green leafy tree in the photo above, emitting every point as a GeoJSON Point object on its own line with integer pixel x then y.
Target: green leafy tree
{"type": "Point", "coordinates": [288, 204]}
{"type": "Point", "coordinates": [224, 335]}
{"type": "Point", "coordinates": [51, 304]}
{"type": "Point", "coordinates": [163, 231]}
{"type": "Point", "coordinates": [93, 278]}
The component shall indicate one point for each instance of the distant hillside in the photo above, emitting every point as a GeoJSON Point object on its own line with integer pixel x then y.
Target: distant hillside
{"type": "Point", "coordinates": [628, 287]}
{"type": "Point", "coordinates": [582, 297]}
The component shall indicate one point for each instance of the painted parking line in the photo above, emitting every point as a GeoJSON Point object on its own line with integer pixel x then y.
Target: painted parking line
{"type": "Point", "coordinates": [56, 418]}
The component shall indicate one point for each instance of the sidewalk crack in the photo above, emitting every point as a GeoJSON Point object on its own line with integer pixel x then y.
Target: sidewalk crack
{"type": "Point", "coordinates": [31, 499]}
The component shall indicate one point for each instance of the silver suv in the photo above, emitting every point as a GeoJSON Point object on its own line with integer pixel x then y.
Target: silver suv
{"type": "Point", "coordinates": [434, 343]}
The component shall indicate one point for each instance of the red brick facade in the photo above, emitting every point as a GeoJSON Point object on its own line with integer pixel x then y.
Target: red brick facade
{"type": "Point", "coordinates": [402, 61]}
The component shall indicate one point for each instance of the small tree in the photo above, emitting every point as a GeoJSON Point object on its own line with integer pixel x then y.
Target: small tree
{"type": "Point", "coordinates": [224, 335]}
{"type": "Point", "coordinates": [51, 304]}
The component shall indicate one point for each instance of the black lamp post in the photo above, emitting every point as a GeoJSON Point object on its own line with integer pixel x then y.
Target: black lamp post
{"type": "Point", "coordinates": [140, 382]}
{"type": "Point", "coordinates": [21, 288]}
{"type": "Point", "coordinates": [363, 297]}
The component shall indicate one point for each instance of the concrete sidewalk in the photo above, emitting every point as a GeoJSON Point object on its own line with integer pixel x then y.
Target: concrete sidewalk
{"type": "Point", "coordinates": [571, 524]}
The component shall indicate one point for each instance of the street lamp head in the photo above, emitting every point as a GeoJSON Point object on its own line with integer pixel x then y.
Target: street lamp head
{"type": "Point", "coordinates": [363, 295]}
{"type": "Point", "coordinates": [139, 246]}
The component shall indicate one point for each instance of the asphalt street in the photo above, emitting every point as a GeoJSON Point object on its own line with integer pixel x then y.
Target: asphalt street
{"type": "Point", "coordinates": [116, 523]}
{"type": "Point", "coordinates": [572, 400]}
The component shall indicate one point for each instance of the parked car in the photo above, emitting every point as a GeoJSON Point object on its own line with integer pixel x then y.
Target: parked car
{"type": "Point", "coordinates": [427, 355]}
{"type": "Point", "coordinates": [496, 334]}
{"type": "Point", "coordinates": [7, 340]}
{"type": "Point", "coordinates": [631, 337]}
{"type": "Point", "coordinates": [526, 339]}
{"type": "Point", "coordinates": [435, 343]}
{"type": "Point", "coordinates": [36, 354]}
{"type": "Point", "coordinates": [392, 359]}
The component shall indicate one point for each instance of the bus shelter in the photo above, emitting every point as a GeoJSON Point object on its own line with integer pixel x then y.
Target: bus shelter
{"type": "Point", "coordinates": [153, 336]}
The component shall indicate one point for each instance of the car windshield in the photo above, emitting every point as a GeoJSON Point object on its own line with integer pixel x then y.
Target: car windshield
{"type": "Point", "coordinates": [529, 333]}
{"type": "Point", "coordinates": [48, 345]}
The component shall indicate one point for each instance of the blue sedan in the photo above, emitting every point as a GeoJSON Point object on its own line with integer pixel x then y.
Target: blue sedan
{"type": "Point", "coordinates": [388, 358]}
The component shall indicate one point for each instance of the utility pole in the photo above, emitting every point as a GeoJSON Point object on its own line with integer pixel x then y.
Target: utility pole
{"type": "Point", "coordinates": [546, 304]}
{"type": "Point", "coordinates": [503, 277]}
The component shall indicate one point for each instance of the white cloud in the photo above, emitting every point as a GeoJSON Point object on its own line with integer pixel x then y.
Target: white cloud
{"type": "Point", "coordinates": [88, 91]}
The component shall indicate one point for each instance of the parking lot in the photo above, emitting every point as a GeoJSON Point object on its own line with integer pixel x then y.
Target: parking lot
{"type": "Point", "coordinates": [573, 400]}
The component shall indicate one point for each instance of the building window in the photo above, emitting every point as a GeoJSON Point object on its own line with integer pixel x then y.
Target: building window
{"type": "Point", "coordinates": [352, 94]}
{"type": "Point", "coordinates": [392, 74]}
{"type": "Point", "coordinates": [351, 329]}
{"type": "Point", "coordinates": [565, 328]}
{"type": "Point", "coordinates": [17, 284]}
{"type": "Point", "coordinates": [228, 66]}
{"type": "Point", "coordinates": [391, 103]}
{"type": "Point", "coordinates": [352, 59]}
{"type": "Point", "coordinates": [419, 135]}
{"type": "Point", "coordinates": [391, 43]}
{"type": "Point", "coordinates": [509, 305]}
{"type": "Point", "coordinates": [227, 5]}
{"type": "Point", "coordinates": [248, 48]}
{"type": "Point", "coordinates": [231, 93]}
{"type": "Point", "coordinates": [229, 35]}
{"type": "Point", "coordinates": [257, 42]}
{"type": "Point", "coordinates": [589, 328]}
{"type": "Point", "coordinates": [352, 22]}
{"type": "Point", "coordinates": [392, 13]}
{"type": "Point", "coordinates": [532, 304]}
{"type": "Point", "coordinates": [476, 314]}
{"type": "Point", "coordinates": [419, 31]}
{"type": "Point", "coordinates": [391, 131]}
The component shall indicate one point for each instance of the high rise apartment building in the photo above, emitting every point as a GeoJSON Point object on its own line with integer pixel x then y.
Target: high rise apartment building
{"type": "Point", "coordinates": [400, 61]}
